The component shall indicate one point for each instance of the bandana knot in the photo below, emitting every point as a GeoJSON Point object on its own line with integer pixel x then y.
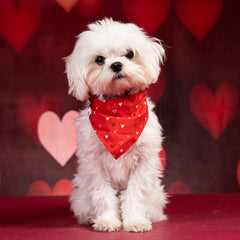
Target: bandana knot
{"type": "Point", "coordinates": [118, 122]}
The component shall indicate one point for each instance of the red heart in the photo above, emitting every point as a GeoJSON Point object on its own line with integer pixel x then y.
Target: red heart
{"type": "Point", "coordinates": [238, 173]}
{"type": "Point", "coordinates": [29, 110]}
{"type": "Point", "coordinates": [18, 24]}
{"type": "Point", "coordinates": [67, 5]}
{"type": "Point", "coordinates": [178, 187]}
{"type": "Point", "coordinates": [214, 110]}
{"type": "Point", "coordinates": [156, 90]}
{"type": "Point", "coordinates": [89, 8]}
{"type": "Point", "coordinates": [162, 156]}
{"type": "Point", "coordinates": [146, 14]}
{"type": "Point", "coordinates": [199, 16]}
{"type": "Point", "coordinates": [41, 188]}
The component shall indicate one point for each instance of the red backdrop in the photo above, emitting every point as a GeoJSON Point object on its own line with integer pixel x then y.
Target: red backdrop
{"type": "Point", "coordinates": [197, 96]}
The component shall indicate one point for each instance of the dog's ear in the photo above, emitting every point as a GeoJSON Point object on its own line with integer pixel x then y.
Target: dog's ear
{"type": "Point", "coordinates": [76, 77]}
{"type": "Point", "coordinates": [158, 54]}
{"type": "Point", "coordinates": [157, 44]}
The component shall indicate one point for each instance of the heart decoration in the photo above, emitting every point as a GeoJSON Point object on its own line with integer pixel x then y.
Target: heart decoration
{"type": "Point", "coordinates": [238, 173]}
{"type": "Point", "coordinates": [146, 14]}
{"type": "Point", "coordinates": [67, 5]}
{"type": "Point", "coordinates": [162, 156]}
{"type": "Point", "coordinates": [58, 137]}
{"type": "Point", "coordinates": [214, 110]}
{"type": "Point", "coordinates": [89, 8]}
{"type": "Point", "coordinates": [29, 110]}
{"type": "Point", "coordinates": [156, 90]}
{"type": "Point", "coordinates": [41, 188]}
{"type": "Point", "coordinates": [199, 16]}
{"type": "Point", "coordinates": [19, 23]}
{"type": "Point", "coordinates": [178, 187]}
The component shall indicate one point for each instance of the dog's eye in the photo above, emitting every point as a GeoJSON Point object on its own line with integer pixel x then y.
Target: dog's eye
{"type": "Point", "coordinates": [130, 54]}
{"type": "Point", "coordinates": [100, 60]}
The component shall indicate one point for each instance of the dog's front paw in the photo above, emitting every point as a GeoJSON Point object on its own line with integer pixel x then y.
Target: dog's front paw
{"type": "Point", "coordinates": [138, 226]}
{"type": "Point", "coordinates": [109, 225]}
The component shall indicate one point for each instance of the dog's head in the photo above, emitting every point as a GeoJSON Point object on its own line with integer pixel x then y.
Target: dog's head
{"type": "Point", "coordinates": [112, 59]}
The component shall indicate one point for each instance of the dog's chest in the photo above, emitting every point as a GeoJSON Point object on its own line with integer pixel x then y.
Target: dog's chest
{"type": "Point", "coordinates": [119, 171]}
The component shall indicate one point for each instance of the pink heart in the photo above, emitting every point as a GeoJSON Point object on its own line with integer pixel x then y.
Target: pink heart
{"type": "Point", "coordinates": [146, 14]}
{"type": "Point", "coordinates": [58, 137]}
{"type": "Point", "coordinates": [19, 23]}
{"type": "Point", "coordinates": [41, 188]}
{"type": "Point", "coordinates": [67, 5]}
{"type": "Point", "coordinates": [214, 110]}
{"type": "Point", "coordinates": [199, 16]}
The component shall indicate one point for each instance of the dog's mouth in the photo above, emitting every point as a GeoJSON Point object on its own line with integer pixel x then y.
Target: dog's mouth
{"type": "Point", "coordinates": [119, 77]}
{"type": "Point", "coordinates": [125, 94]}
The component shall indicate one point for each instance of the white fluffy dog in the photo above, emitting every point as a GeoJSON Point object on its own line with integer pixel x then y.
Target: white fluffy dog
{"type": "Point", "coordinates": [118, 182]}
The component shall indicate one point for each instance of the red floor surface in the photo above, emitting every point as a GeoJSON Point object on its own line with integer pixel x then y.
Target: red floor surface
{"type": "Point", "coordinates": [213, 217]}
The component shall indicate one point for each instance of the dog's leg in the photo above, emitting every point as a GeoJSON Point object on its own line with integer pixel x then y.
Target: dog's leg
{"type": "Point", "coordinates": [106, 208]}
{"type": "Point", "coordinates": [135, 202]}
{"type": "Point", "coordinates": [94, 201]}
{"type": "Point", "coordinates": [80, 201]}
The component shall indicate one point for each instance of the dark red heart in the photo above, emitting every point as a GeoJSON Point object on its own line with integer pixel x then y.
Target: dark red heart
{"type": "Point", "coordinates": [156, 90]}
{"type": "Point", "coordinates": [146, 14]}
{"type": "Point", "coordinates": [29, 110]}
{"type": "Point", "coordinates": [178, 187]}
{"type": "Point", "coordinates": [199, 16]}
{"type": "Point", "coordinates": [238, 173]}
{"type": "Point", "coordinates": [214, 110]}
{"type": "Point", "coordinates": [19, 23]}
{"type": "Point", "coordinates": [89, 8]}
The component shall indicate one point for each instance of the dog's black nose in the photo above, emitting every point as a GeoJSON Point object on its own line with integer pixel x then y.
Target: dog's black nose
{"type": "Point", "coordinates": [116, 67]}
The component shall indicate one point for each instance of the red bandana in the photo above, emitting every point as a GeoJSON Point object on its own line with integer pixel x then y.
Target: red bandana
{"type": "Point", "coordinates": [119, 122]}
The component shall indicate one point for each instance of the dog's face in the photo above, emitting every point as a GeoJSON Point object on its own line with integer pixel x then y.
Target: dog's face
{"type": "Point", "coordinates": [112, 59]}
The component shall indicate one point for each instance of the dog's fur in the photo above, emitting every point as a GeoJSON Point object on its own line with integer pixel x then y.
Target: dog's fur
{"type": "Point", "coordinates": [125, 193]}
